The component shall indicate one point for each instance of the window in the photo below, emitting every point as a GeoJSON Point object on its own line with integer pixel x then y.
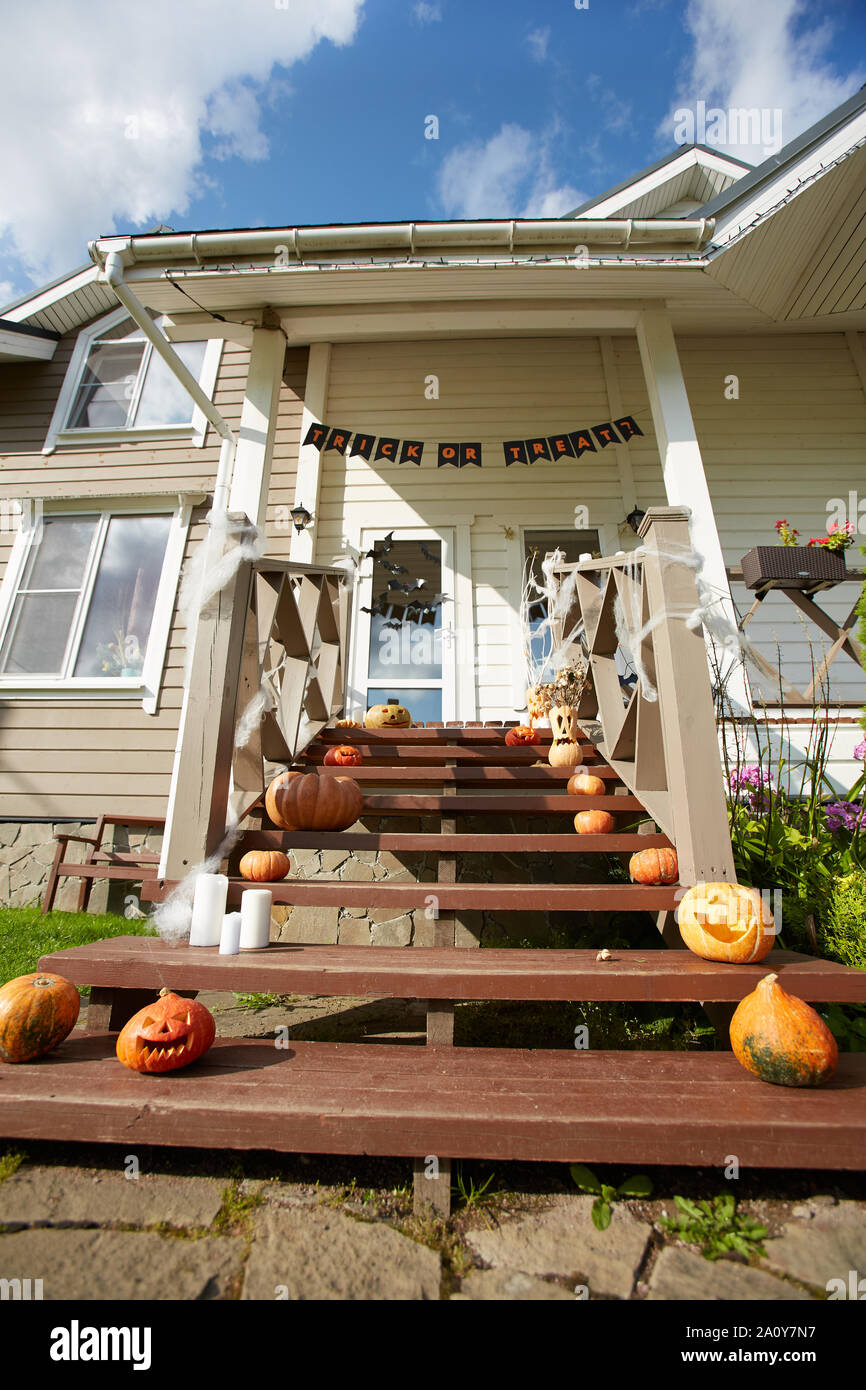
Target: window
{"type": "Point", "coordinates": [118, 387]}
{"type": "Point", "coordinates": [536, 545]}
{"type": "Point", "coordinates": [88, 600]}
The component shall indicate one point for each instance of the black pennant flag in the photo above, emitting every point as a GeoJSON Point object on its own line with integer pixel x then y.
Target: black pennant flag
{"type": "Point", "coordinates": [628, 427]}
{"type": "Point", "coordinates": [338, 439]}
{"type": "Point", "coordinates": [582, 441]}
{"type": "Point", "coordinates": [537, 449]}
{"type": "Point", "coordinates": [316, 436]}
{"type": "Point", "coordinates": [448, 453]}
{"type": "Point", "coordinates": [560, 446]}
{"type": "Point", "coordinates": [362, 445]}
{"type": "Point", "coordinates": [411, 451]}
{"type": "Point", "coordinates": [470, 453]}
{"type": "Point", "coordinates": [386, 449]}
{"type": "Point", "coordinates": [606, 434]}
{"type": "Point", "coordinates": [515, 451]}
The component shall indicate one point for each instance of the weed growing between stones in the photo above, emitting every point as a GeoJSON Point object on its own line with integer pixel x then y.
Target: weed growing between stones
{"type": "Point", "coordinates": [10, 1162]}
{"type": "Point", "coordinates": [716, 1228]}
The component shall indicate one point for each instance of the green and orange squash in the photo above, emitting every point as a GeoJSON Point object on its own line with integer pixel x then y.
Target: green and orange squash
{"type": "Point", "coordinates": [36, 1013]}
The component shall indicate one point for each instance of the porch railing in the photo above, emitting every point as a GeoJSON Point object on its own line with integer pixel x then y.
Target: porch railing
{"type": "Point", "coordinates": [268, 660]}
{"type": "Point", "coordinates": [659, 733]}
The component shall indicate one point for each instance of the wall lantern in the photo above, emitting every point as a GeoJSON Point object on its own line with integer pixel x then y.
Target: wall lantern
{"type": "Point", "coordinates": [301, 517]}
{"type": "Point", "coordinates": [635, 518]}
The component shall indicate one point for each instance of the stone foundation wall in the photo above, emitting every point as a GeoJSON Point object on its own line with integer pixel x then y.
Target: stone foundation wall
{"type": "Point", "coordinates": [27, 852]}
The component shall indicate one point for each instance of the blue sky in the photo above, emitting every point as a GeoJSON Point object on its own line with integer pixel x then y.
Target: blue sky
{"type": "Point", "coordinates": [218, 113]}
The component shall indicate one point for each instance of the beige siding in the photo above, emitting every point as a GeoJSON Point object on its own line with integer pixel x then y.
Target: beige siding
{"type": "Point", "coordinates": [76, 757]}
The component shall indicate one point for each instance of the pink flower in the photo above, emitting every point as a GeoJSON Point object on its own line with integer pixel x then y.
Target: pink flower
{"type": "Point", "coordinates": [860, 752]}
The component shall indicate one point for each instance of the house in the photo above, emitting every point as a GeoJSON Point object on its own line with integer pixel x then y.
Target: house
{"type": "Point", "coordinates": [719, 309]}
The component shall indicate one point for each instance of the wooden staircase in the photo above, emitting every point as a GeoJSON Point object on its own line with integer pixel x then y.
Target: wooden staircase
{"type": "Point", "coordinates": [442, 1101]}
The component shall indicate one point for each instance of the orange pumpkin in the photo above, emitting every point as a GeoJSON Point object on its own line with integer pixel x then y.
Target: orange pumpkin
{"type": "Point", "coordinates": [781, 1038]}
{"type": "Point", "coordinates": [520, 735]}
{"type": "Point", "coordinates": [726, 922]}
{"type": "Point", "coordinates": [593, 822]}
{"type": "Point", "coordinates": [36, 1013]}
{"type": "Point", "coordinates": [348, 724]}
{"type": "Point", "coordinates": [654, 866]}
{"type": "Point", "coordinates": [264, 865]}
{"type": "Point", "coordinates": [342, 755]}
{"type": "Point", "coordinates": [390, 716]}
{"type": "Point", "coordinates": [166, 1035]}
{"type": "Point", "coordinates": [585, 784]}
{"type": "Point", "coordinates": [306, 801]}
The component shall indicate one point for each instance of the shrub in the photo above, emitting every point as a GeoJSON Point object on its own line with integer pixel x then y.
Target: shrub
{"type": "Point", "coordinates": [845, 921]}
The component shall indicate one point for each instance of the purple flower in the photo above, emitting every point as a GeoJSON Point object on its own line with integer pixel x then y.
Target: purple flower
{"type": "Point", "coordinates": [860, 751]}
{"type": "Point", "coordinates": [752, 782]}
{"type": "Point", "coordinates": [845, 815]}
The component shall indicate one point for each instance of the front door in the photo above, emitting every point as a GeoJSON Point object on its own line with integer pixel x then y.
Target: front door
{"type": "Point", "coordinates": [404, 625]}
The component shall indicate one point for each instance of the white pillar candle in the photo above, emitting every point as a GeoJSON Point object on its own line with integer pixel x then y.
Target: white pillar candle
{"type": "Point", "coordinates": [230, 936]}
{"type": "Point", "coordinates": [255, 918]}
{"type": "Point", "coordinates": [208, 909]}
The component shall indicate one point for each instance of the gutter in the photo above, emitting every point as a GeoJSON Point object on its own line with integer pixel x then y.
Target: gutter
{"type": "Point", "coordinates": [409, 236]}
{"type": "Point", "coordinates": [111, 271]}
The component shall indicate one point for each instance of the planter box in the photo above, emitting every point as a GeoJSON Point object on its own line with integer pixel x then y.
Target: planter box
{"type": "Point", "coordinates": [792, 567]}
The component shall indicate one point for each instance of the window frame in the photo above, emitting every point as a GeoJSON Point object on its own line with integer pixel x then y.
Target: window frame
{"type": "Point", "coordinates": [145, 686]}
{"type": "Point", "coordinates": [61, 433]}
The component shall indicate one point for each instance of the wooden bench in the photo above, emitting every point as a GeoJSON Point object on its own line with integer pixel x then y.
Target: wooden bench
{"type": "Point", "coordinates": [101, 862]}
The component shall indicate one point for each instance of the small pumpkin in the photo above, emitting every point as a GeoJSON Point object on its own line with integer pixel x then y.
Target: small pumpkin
{"type": "Point", "coordinates": [564, 751]}
{"type": "Point", "coordinates": [264, 865]}
{"type": "Point", "coordinates": [726, 922]}
{"type": "Point", "coordinates": [593, 822]}
{"type": "Point", "coordinates": [654, 866]}
{"type": "Point", "coordinates": [166, 1035]}
{"type": "Point", "coordinates": [390, 716]}
{"type": "Point", "coordinates": [521, 734]}
{"type": "Point", "coordinates": [36, 1013]}
{"type": "Point", "coordinates": [348, 724]}
{"type": "Point", "coordinates": [585, 784]}
{"type": "Point", "coordinates": [781, 1038]}
{"type": "Point", "coordinates": [343, 755]}
{"type": "Point", "coordinates": [306, 801]}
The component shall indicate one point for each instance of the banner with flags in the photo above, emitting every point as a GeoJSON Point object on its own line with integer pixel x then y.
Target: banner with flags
{"type": "Point", "coordinates": [571, 444]}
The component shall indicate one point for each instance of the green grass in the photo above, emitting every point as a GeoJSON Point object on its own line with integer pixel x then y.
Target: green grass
{"type": "Point", "coordinates": [25, 935]}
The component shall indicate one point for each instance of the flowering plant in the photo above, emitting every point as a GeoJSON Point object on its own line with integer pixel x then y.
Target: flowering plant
{"type": "Point", "coordinates": [845, 815]}
{"type": "Point", "coordinates": [860, 752]}
{"type": "Point", "coordinates": [750, 783]}
{"type": "Point", "coordinates": [838, 538]}
{"type": "Point", "coordinates": [787, 534]}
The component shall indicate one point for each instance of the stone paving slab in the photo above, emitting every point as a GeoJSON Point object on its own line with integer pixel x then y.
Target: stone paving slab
{"type": "Point", "coordinates": [828, 1244]}
{"type": "Point", "coordinates": [105, 1265]}
{"type": "Point", "coordinates": [509, 1285]}
{"type": "Point", "coordinates": [316, 1253]}
{"type": "Point", "coordinates": [681, 1274]}
{"type": "Point", "coordinates": [57, 1196]}
{"type": "Point", "coordinates": [563, 1241]}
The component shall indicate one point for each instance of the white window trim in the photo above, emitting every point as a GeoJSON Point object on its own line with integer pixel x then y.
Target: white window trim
{"type": "Point", "coordinates": [59, 434]}
{"type": "Point", "coordinates": [145, 687]}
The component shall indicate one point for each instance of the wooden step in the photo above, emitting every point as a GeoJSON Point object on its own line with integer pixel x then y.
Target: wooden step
{"type": "Point", "coordinates": [432, 734]}
{"type": "Point", "coordinates": [486, 755]}
{"type": "Point", "coordinates": [513, 897]}
{"type": "Point", "coordinates": [435, 972]}
{"type": "Point", "coordinates": [414, 842]}
{"type": "Point", "coordinates": [491, 1103]}
{"type": "Point", "coordinates": [495, 804]}
{"type": "Point", "coordinates": [508, 778]}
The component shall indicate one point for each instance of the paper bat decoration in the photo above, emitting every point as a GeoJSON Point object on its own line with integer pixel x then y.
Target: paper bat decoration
{"type": "Point", "coordinates": [384, 547]}
{"type": "Point", "coordinates": [394, 569]}
{"type": "Point", "coordinates": [428, 554]}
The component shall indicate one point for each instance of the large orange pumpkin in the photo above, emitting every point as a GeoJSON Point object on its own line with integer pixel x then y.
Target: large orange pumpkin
{"type": "Point", "coordinates": [781, 1038]}
{"type": "Point", "coordinates": [585, 784]}
{"type": "Point", "coordinates": [520, 735]}
{"type": "Point", "coordinates": [390, 716]}
{"type": "Point", "coordinates": [342, 755]}
{"type": "Point", "coordinates": [654, 866]}
{"type": "Point", "coordinates": [36, 1013]}
{"type": "Point", "coordinates": [593, 822]}
{"type": "Point", "coordinates": [726, 922]}
{"type": "Point", "coordinates": [306, 801]}
{"type": "Point", "coordinates": [166, 1035]}
{"type": "Point", "coordinates": [264, 865]}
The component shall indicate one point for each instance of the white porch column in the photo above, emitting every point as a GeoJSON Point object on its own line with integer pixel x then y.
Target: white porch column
{"type": "Point", "coordinates": [252, 470]}
{"type": "Point", "coordinates": [683, 469]}
{"type": "Point", "coordinates": [303, 544]}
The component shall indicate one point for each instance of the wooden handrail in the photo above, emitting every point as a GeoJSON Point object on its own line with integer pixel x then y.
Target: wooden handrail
{"type": "Point", "coordinates": [661, 737]}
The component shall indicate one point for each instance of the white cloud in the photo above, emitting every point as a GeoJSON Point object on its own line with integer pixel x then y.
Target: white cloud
{"type": "Point", "coordinates": [427, 13]}
{"type": "Point", "coordinates": [749, 55]}
{"type": "Point", "coordinates": [509, 175]}
{"type": "Point", "coordinates": [107, 117]}
{"type": "Point", "coordinates": [538, 42]}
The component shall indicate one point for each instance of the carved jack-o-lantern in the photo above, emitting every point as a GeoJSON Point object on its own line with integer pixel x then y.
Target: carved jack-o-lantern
{"type": "Point", "coordinates": [343, 755]}
{"type": "Point", "coordinates": [166, 1035]}
{"type": "Point", "coordinates": [390, 716]}
{"type": "Point", "coordinates": [564, 748]}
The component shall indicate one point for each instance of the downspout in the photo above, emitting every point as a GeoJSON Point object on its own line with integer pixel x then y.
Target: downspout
{"type": "Point", "coordinates": [112, 273]}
